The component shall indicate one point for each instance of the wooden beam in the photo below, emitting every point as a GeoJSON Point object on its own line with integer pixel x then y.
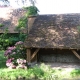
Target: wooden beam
{"type": "Point", "coordinates": [76, 54]}
{"type": "Point", "coordinates": [34, 54]}
{"type": "Point", "coordinates": [29, 55]}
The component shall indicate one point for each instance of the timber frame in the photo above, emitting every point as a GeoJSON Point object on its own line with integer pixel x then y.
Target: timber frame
{"type": "Point", "coordinates": [31, 56]}
{"type": "Point", "coordinates": [53, 32]}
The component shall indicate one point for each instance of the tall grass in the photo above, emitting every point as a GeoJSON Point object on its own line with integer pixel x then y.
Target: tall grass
{"type": "Point", "coordinates": [76, 73]}
{"type": "Point", "coordinates": [2, 60]}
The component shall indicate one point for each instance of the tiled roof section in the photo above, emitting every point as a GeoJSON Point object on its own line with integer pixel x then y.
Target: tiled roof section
{"type": "Point", "coordinates": [9, 18]}
{"type": "Point", "coordinates": [55, 31]}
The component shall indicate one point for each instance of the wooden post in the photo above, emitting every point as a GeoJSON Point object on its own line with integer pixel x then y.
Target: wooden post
{"type": "Point", "coordinates": [31, 57]}
{"type": "Point", "coordinates": [28, 55]}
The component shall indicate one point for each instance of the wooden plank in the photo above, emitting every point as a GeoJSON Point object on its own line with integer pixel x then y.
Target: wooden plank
{"type": "Point", "coordinates": [34, 54]}
{"type": "Point", "coordinates": [76, 54]}
{"type": "Point", "coordinates": [29, 55]}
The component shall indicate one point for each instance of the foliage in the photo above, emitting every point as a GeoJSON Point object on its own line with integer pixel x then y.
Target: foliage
{"type": "Point", "coordinates": [38, 72]}
{"type": "Point", "coordinates": [1, 25]}
{"type": "Point", "coordinates": [23, 1]}
{"type": "Point", "coordinates": [2, 59]}
{"type": "Point", "coordinates": [10, 39]}
{"type": "Point", "coordinates": [7, 39]}
{"type": "Point", "coordinates": [32, 10]}
{"type": "Point", "coordinates": [14, 53]}
{"type": "Point", "coordinates": [35, 73]}
{"type": "Point", "coordinates": [22, 23]}
{"type": "Point", "coordinates": [75, 72]}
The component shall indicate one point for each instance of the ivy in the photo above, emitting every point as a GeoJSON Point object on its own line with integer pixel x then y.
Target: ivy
{"type": "Point", "coordinates": [7, 39]}
{"type": "Point", "coordinates": [22, 23]}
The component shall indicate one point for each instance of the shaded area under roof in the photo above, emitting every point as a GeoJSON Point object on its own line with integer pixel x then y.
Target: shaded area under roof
{"type": "Point", "coordinates": [55, 31]}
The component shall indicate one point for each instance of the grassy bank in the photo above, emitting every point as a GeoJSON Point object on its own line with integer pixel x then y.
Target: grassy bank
{"type": "Point", "coordinates": [39, 73]}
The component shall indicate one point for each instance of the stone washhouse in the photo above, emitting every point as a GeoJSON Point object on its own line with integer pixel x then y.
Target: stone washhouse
{"type": "Point", "coordinates": [53, 38]}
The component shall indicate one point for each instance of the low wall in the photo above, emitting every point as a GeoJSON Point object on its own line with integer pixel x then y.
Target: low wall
{"type": "Point", "coordinates": [50, 55]}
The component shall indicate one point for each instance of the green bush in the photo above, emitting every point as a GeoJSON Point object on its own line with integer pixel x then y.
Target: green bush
{"type": "Point", "coordinates": [35, 73]}
{"type": "Point", "coordinates": [75, 72]}
{"type": "Point", "coordinates": [39, 72]}
{"type": "Point", "coordinates": [7, 39]}
{"type": "Point", "coordinates": [32, 10]}
{"type": "Point", "coordinates": [16, 56]}
{"type": "Point", "coordinates": [1, 25]}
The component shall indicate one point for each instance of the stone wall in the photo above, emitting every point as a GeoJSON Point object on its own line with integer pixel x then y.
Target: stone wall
{"type": "Point", "coordinates": [50, 55]}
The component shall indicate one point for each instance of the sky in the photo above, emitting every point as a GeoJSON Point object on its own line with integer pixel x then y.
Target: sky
{"type": "Point", "coordinates": [58, 6]}
{"type": "Point", "coordinates": [53, 6]}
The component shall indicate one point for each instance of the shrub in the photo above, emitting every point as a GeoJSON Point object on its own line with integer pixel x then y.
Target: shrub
{"type": "Point", "coordinates": [75, 72]}
{"type": "Point", "coordinates": [7, 39]}
{"type": "Point", "coordinates": [1, 25]}
{"type": "Point", "coordinates": [15, 54]}
{"type": "Point", "coordinates": [32, 10]}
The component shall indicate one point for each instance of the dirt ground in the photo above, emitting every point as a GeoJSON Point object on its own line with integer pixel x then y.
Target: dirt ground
{"type": "Point", "coordinates": [58, 65]}
{"type": "Point", "coordinates": [64, 65]}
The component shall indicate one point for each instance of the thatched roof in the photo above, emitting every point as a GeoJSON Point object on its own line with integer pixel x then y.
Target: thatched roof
{"type": "Point", "coordinates": [55, 31]}
{"type": "Point", "coordinates": [9, 18]}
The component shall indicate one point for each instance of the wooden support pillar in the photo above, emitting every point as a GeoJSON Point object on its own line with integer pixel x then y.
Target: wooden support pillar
{"type": "Point", "coordinates": [31, 57]}
{"type": "Point", "coordinates": [28, 55]}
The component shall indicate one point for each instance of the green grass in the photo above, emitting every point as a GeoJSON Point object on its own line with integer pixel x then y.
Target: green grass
{"type": "Point", "coordinates": [2, 59]}
{"type": "Point", "coordinates": [1, 25]}
{"type": "Point", "coordinates": [38, 73]}
{"type": "Point", "coordinates": [76, 73]}
{"type": "Point", "coordinates": [42, 72]}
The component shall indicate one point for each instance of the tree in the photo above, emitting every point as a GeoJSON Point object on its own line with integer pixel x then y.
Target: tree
{"type": "Point", "coordinates": [33, 2]}
{"type": "Point", "coordinates": [23, 1]}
